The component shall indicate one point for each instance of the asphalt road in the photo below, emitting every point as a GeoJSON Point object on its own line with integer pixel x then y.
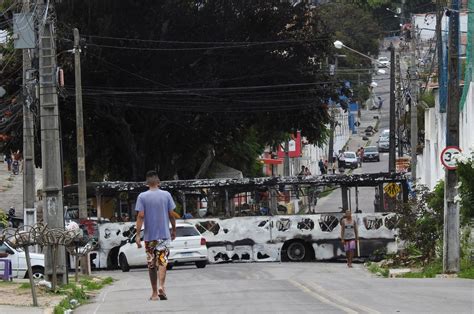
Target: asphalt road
{"type": "Point", "coordinates": [365, 202]}
{"type": "Point", "coordinates": [282, 288]}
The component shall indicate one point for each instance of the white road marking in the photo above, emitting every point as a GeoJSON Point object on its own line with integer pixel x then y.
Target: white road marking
{"type": "Point", "coordinates": [321, 298]}
{"type": "Point", "coordinates": [342, 300]}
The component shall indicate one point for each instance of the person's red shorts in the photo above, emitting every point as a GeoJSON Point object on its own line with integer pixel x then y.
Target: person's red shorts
{"type": "Point", "coordinates": [349, 245]}
{"type": "Point", "coordinates": [157, 253]}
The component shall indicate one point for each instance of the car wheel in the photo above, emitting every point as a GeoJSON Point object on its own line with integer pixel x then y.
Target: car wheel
{"type": "Point", "coordinates": [169, 266]}
{"type": "Point", "coordinates": [201, 264]}
{"type": "Point", "coordinates": [38, 273]}
{"type": "Point", "coordinates": [378, 159]}
{"type": "Point", "coordinates": [124, 263]}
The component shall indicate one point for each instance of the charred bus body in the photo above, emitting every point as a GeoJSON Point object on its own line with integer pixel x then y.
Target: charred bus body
{"type": "Point", "coordinates": [255, 219]}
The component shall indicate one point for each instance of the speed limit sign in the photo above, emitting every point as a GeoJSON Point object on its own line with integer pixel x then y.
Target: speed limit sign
{"type": "Point", "coordinates": [448, 157]}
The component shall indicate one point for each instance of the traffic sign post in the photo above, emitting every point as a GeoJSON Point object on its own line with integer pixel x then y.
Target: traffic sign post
{"type": "Point", "coordinates": [448, 157]}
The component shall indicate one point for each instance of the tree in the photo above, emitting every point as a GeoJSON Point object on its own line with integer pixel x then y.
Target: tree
{"type": "Point", "coordinates": [202, 76]}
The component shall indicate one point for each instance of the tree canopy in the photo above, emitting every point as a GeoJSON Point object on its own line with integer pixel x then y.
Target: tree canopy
{"type": "Point", "coordinates": [166, 83]}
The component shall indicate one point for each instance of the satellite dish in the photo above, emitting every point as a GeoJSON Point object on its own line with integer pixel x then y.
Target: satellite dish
{"type": "Point", "coordinates": [2, 91]}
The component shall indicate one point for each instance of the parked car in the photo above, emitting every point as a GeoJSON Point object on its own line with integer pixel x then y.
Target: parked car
{"type": "Point", "coordinates": [371, 153]}
{"type": "Point", "coordinates": [383, 144]}
{"type": "Point", "coordinates": [18, 258]}
{"type": "Point", "coordinates": [188, 247]}
{"type": "Point", "coordinates": [383, 62]}
{"type": "Point", "coordinates": [350, 160]}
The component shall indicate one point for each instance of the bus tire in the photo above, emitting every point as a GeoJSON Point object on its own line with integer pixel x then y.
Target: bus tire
{"type": "Point", "coordinates": [296, 251]}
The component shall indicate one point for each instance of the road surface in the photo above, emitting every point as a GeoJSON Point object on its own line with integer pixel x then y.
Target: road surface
{"type": "Point", "coordinates": [282, 288]}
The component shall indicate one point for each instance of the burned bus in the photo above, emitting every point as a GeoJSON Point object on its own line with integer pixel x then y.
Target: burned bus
{"type": "Point", "coordinates": [258, 219]}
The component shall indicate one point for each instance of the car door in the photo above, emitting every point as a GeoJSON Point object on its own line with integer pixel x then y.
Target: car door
{"type": "Point", "coordinates": [135, 256]}
{"type": "Point", "coordinates": [8, 253]}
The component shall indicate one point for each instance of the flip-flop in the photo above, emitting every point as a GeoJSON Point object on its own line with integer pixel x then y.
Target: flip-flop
{"type": "Point", "coordinates": [162, 295]}
{"type": "Point", "coordinates": [154, 298]}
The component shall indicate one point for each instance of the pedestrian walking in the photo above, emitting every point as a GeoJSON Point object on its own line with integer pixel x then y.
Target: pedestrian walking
{"type": "Point", "coordinates": [306, 171]}
{"type": "Point", "coordinates": [341, 160]}
{"type": "Point", "coordinates": [155, 211]}
{"type": "Point", "coordinates": [303, 171]}
{"type": "Point", "coordinates": [321, 166]}
{"type": "Point", "coordinates": [349, 236]}
{"type": "Point", "coordinates": [9, 161]}
{"type": "Point", "coordinates": [360, 156]}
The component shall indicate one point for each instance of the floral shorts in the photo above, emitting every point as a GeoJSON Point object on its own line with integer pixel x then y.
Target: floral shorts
{"type": "Point", "coordinates": [157, 253]}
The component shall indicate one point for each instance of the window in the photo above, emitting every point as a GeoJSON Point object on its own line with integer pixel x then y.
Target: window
{"type": "Point", "coordinates": [186, 232]}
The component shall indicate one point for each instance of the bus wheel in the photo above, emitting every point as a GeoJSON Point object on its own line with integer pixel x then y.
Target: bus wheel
{"type": "Point", "coordinates": [296, 251]}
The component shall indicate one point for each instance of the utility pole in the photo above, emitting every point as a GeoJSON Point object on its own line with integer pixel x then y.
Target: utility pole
{"type": "Point", "coordinates": [399, 102]}
{"type": "Point", "coordinates": [451, 210]}
{"type": "Point", "coordinates": [286, 161]}
{"type": "Point", "coordinates": [414, 108]}
{"type": "Point", "coordinates": [81, 160]}
{"type": "Point", "coordinates": [29, 186]}
{"type": "Point", "coordinates": [391, 156]}
{"type": "Point", "coordinates": [50, 139]}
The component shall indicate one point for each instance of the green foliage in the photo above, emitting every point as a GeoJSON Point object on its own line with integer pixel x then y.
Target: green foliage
{"type": "Point", "coordinates": [79, 293]}
{"type": "Point", "coordinates": [3, 219]}
{"type": "Point", "coordinates": [465, 170]}
{"type": "Point", "coordinates": [376, 269]}
{"type": "Point", "coordinates": [428, 98]}
{"type": "Point", "coordinates": [421, 221]}
{"type": "Point", "coordinates": [173, 131]}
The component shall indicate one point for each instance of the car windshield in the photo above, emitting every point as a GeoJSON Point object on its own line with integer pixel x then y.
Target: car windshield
{"type": "Point", "coordinates": [186, 232]}
{"type": "Point", "coordinates": [370, 149]}
{"type": "Point", "coordinates": [350, 155]}
{"type": "Point", "coordinates": [383, 139]}
{"type": "Point", "coordinates": [383, 59]}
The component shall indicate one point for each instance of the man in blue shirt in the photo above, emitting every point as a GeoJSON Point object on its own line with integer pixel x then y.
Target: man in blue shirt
{"type": "Point", "coordinates": [155, 208]}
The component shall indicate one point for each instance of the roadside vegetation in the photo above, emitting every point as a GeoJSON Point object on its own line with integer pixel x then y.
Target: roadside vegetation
{"type": "Point", "coordinates": [421, 230]}
{"type": "Point", "coordinates": [80, 293]}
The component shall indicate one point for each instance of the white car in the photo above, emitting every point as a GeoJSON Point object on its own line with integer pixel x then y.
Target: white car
{"type": "Point", "coordinates": [17, 256]}
{"type": "Point", "coordinates": [188, 247]}
{"type": "Point", "coordinates": [383, 62]}
{"type": "Point", "coordinates": [350, 160]}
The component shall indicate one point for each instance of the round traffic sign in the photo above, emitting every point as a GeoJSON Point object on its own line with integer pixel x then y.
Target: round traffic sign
{"type": "Point", "coordinates": [448, 157]}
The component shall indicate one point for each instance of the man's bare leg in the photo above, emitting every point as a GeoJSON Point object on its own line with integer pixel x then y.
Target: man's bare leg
{"type": "Point", "coordinates": [152, 272]}
{"type": "Point", "coordinates": [162, 277]}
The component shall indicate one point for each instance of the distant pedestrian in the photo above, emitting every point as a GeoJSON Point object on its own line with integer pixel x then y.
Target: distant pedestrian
{"type": "Point", "coordinates": [360, 156]}
{"type": "Point", "coordinates": [155, 208]}
{"type": "Point", "coordinates": [307, 172]}
{"type": "Point", "coordinates": [341, 160]}
{"type": "Point", "coordinates": [380, 103]}
{"type": "Point", "coordinates": [326, 166]}
{"type": "Point", "coordinates": [302, 172]}
{"type": "Point", "coordinates": [9, 161]}
{"type": "Point", "coordinates": [322, 169]}
{"type": "Point", "coordinates": [349, 236]}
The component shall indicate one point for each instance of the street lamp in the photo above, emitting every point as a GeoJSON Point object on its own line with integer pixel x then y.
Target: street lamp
{"type": "Point", "coordinates": [339, 45]}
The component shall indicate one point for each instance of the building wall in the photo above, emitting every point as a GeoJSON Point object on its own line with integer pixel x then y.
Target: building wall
{"type": "Point", "coordinates": [430, 170]}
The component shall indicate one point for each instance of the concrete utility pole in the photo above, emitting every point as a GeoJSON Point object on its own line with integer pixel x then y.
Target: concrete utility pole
{"type": "Point", "coordinates": [50, 139]}
{"type": "Point", "coordinates": [399, 102]}
{"type": "Point", "coordinates": [451, 244]}
{"type": "Point", "coordinates": [391, 156]}
{"type": "Point", "coordinates": [286, 161]}
{"type": "Point", "coordinates": [29, 186]}
{"type": "Point", "coordinates": [414, 100]}
{"type": "Point", "coordinates": [81, 160]}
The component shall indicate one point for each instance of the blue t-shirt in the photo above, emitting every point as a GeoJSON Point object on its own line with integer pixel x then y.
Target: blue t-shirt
{"type": "Point", "coordinates": [156, 204]}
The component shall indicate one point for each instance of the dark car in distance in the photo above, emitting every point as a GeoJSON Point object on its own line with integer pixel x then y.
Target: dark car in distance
{"type": "Point", "coordinates": [371, 153]}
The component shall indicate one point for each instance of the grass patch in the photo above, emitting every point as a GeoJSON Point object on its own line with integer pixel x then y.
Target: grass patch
{"type": "Point", "coordinates": [376, 269]}
{"type": "Point", "coordinates": [25, 285]}
{"type": "Point", "coordinates": [78, 292]}
{"type": "Point", "coordinates": [467, 269]}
